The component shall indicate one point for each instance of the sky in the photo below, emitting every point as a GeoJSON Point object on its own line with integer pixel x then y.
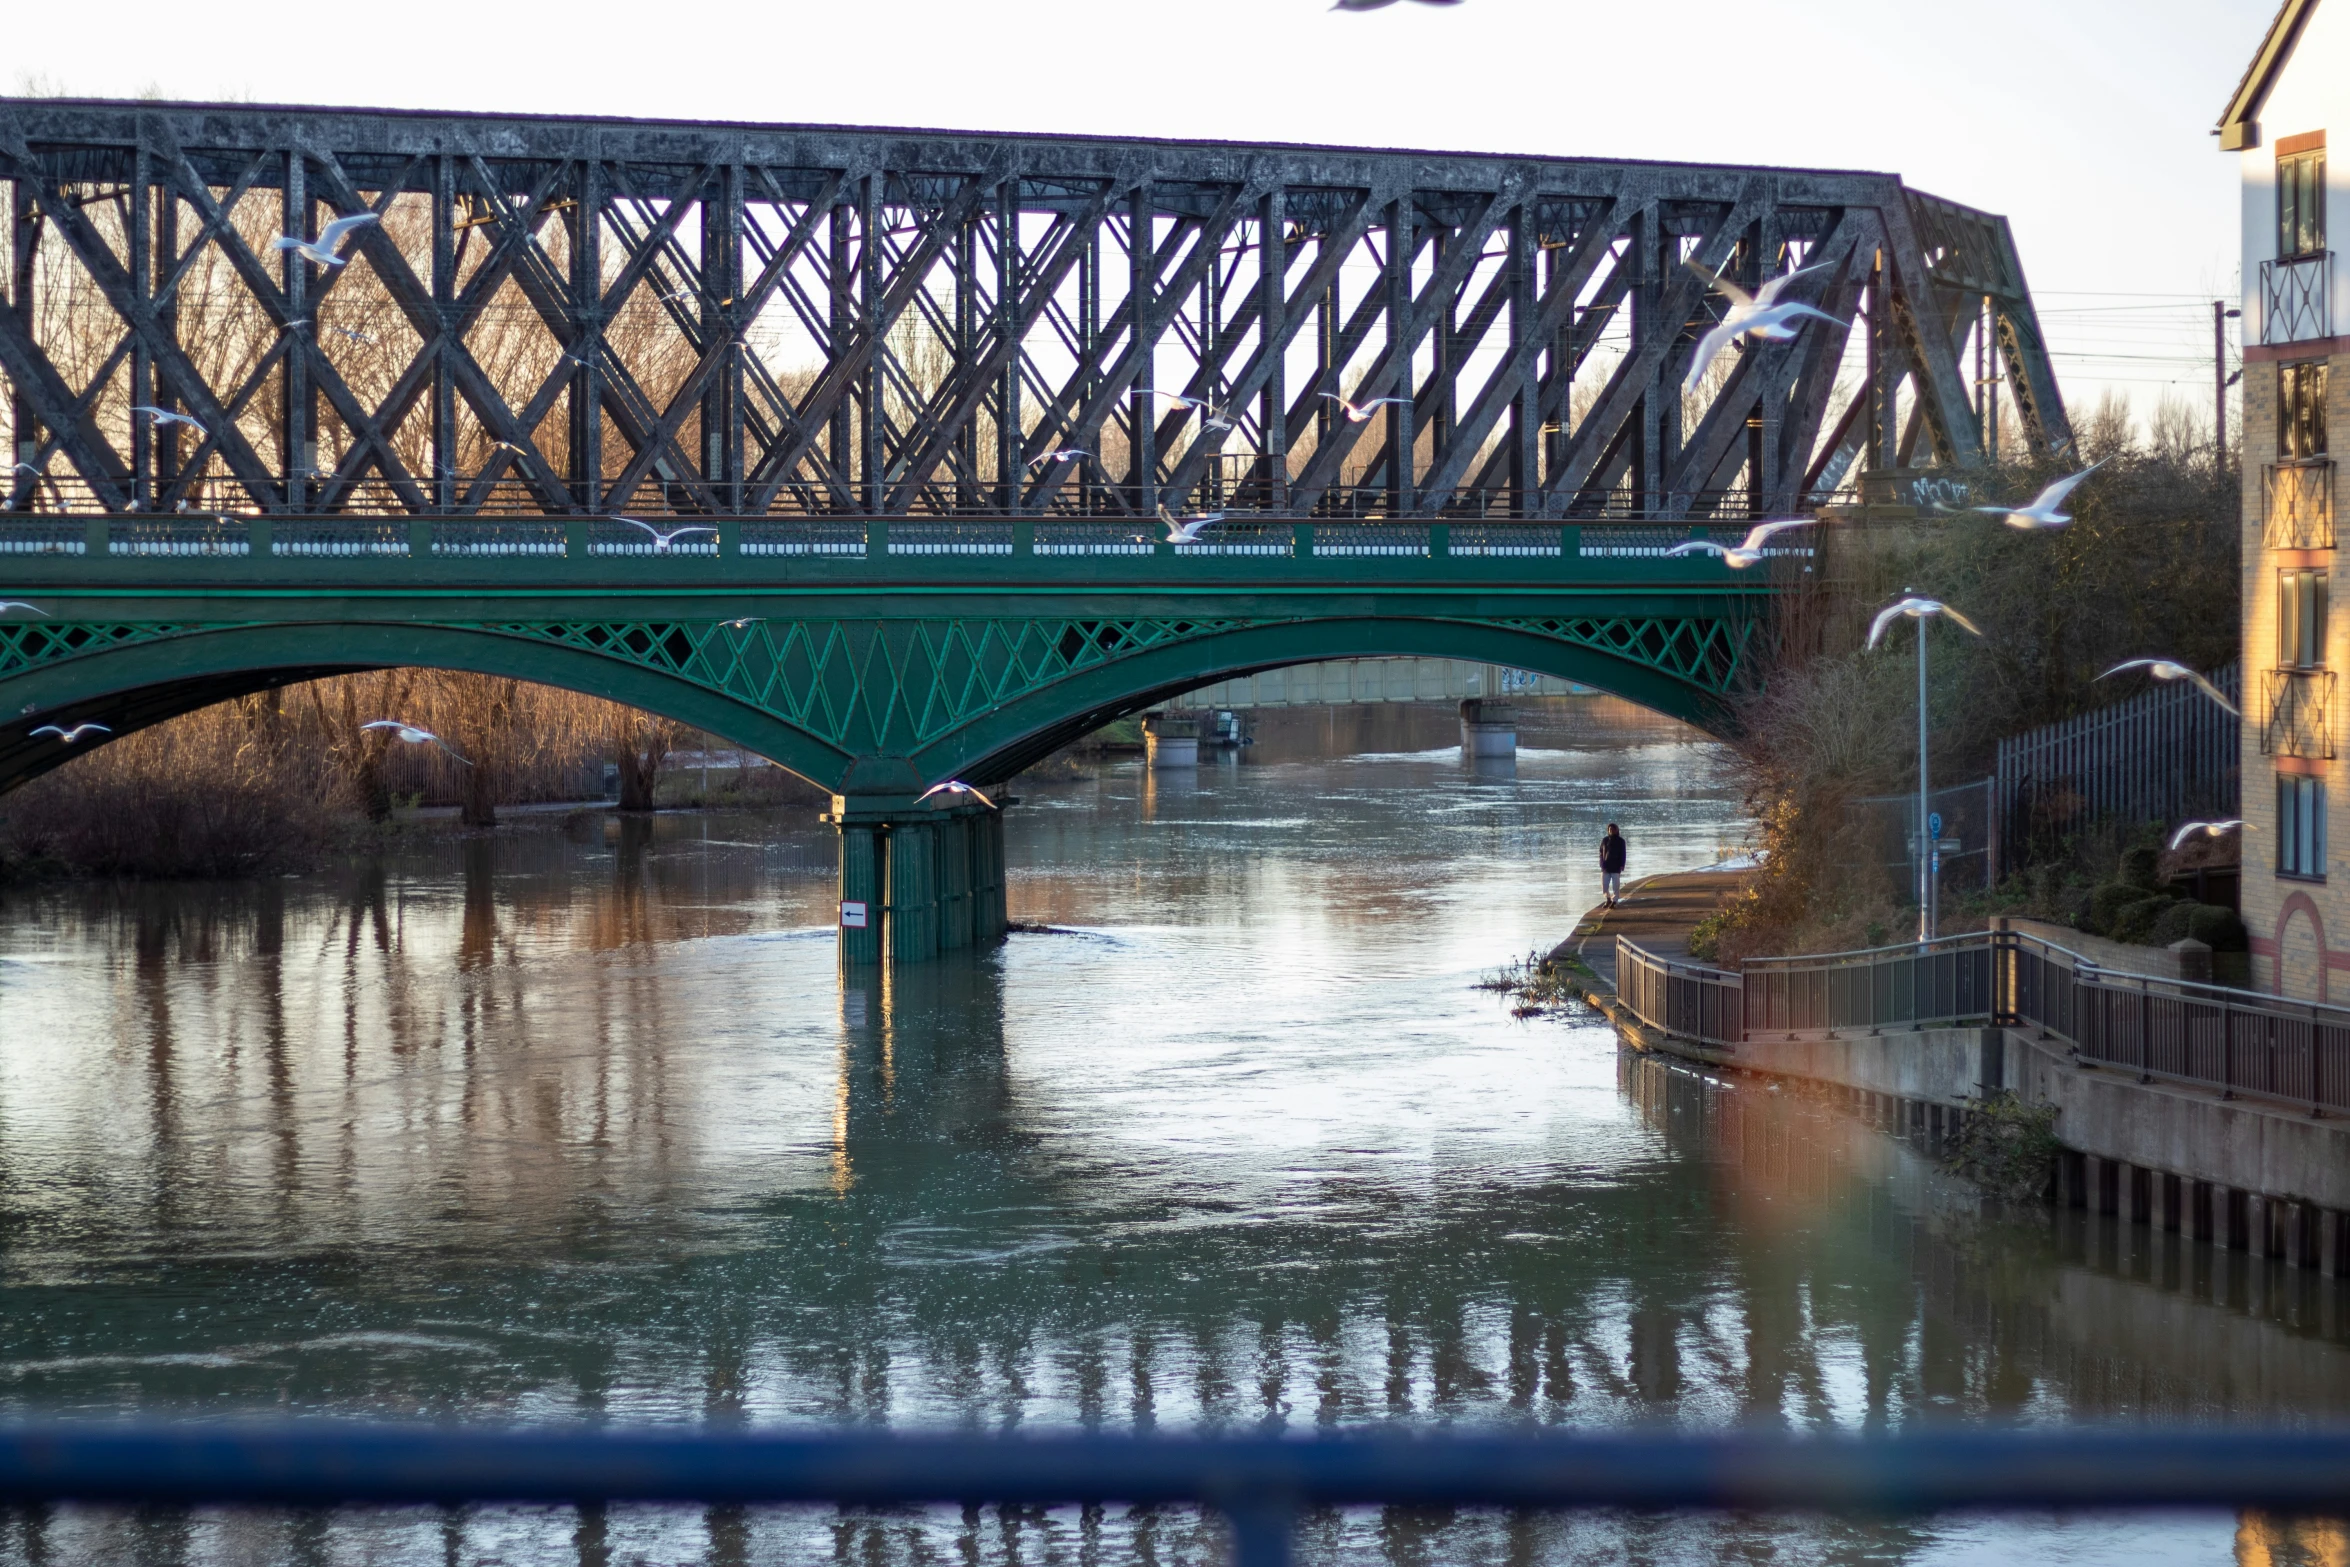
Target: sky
{"type": "Point", "coordinates": [2087, 122]}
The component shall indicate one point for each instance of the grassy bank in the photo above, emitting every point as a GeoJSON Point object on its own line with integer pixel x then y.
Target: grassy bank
{"type": "Point", "coordinates": [2149, 568]}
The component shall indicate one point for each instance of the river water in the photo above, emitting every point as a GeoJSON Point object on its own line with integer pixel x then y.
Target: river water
{"type": "Point", "coordinates": [577, 1120]}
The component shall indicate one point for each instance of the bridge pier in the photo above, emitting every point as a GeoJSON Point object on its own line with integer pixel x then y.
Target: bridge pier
{"type": "Point", "coordinates": [1488, 728]}
{"type": "Point", "coordinates": [917, 879]}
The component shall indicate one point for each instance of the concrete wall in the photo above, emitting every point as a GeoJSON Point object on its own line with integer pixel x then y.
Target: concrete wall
{"type": "Point", "coordinates": [2244, 1174]}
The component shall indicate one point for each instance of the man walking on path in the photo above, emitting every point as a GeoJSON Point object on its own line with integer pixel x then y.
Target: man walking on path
{"type": "Point", "coordinates": [1611, 865]}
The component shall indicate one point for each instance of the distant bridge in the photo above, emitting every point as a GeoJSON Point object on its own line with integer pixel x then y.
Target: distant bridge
{"type": "Point", "coordinates": [846, 358]}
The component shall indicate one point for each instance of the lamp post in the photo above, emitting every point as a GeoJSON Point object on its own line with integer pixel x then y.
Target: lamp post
{"type": "Point", "coordinates": [1921, 610]}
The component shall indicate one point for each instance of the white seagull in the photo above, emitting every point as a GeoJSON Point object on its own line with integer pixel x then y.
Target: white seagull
{"type": "Point", "coordinates": [1186, 530]}
{"type": "Point", "coordinates": [1374, 5]}
{"type": "Point", "coordinates": [2191, 829]}
{"type": "Point", "coordinates": [1916, 609]}
{"type": "Point", "coordinates": [12, 604]}
{"type": "Point", "coordinates": [1065, 454]}
{"type": "Point", "coordinates": [2170, 669]}
{"type": "Point", "coordinates": [954, 786]}
{"type": "Point", "coordinates": [1210, 416]}
{"type": "Point", "coordinates": [166, 416]}
{"type": "Point", "coordinates": [2043, 513]}
{"type": "Point", "coordinates": [1748, 551]}
{"type": "Point", "coordinates": [662, 541]}
{"type": "Point", "coordinates": [322, 249]}
{"type": "Point", "coordinates": [1356, 413]}
{"type": "Point", "coordinates": [70, 736]}
{"type": "Point", "coordinates": [410, 734]}
{"type": "Point", "coordinates": [745, 623]}
{"type": "Point", "coordinates": [24, 467]}
{"type": "Point", "coordinates": [1751, 315]}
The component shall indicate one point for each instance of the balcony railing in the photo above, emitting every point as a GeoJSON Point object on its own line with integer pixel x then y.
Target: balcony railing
{"type": "Point", "coordinates": [2297, 505]}
{"type": "Point", "coordinates": [2299, 721]}
{"type": "Point", "coordinates": [2296, 299]}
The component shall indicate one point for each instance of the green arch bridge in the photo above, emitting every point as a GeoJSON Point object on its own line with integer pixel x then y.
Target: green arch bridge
{"type": "Point", "coordinates": [873, 656]}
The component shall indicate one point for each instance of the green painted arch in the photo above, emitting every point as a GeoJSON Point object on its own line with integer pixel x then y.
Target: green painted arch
{"type": "Point", "coordinates": [927, 700]}
{"type": "Point", "coordinates": [135, 684]}
{"type": "Point", "coordinates": [1000, 742]}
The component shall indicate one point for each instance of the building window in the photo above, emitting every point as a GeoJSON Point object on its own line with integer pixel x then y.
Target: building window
{"type": "Point", "coordinates": [2301, 619]}
{"type": "Point", "coordinates": [2301, 827]}
{"type": "Point", "coordinates": [2301, 410]}
{"type": "Point", "coordinates": [2301, 204]}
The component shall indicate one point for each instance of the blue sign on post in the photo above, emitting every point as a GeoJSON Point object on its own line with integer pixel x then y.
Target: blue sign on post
{"type": "Point", "coordinates": [1934, 826]}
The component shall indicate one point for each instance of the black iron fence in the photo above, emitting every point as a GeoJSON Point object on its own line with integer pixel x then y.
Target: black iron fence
{"type": "Point", "coordinates": [2237, 1041]}
{"type": "Point", "coordinates": [2164, 755]}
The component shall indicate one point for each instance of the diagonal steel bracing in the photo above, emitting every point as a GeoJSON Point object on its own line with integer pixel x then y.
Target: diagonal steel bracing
{"type": "Point", "coordinates": [568, 316]}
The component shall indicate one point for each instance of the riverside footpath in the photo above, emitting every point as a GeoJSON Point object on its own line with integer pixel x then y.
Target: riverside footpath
{"type": "Point", "coordinates": [2220, 1116]}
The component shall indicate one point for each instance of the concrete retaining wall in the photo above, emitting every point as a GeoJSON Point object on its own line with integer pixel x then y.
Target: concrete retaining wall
{"type": "Point", "coordinates": [2243, 1174]}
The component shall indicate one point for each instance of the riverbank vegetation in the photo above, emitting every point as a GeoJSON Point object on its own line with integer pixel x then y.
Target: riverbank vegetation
{"type": "Point", "coordinates": [2150, 567]}
{"type": "Point", "coordinates": [280, 780]}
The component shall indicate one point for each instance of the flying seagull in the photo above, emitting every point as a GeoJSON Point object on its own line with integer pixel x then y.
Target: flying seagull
{"type": "Point", "coordinates": [1065, 454]}
{"type": "Point", "coordinates": [322, 249]}
{"type": "Point", "coordinates": [2169, 669]}
{"type": "Point", "coordinates": [8, 604]}
{"type": "Point", "coordinates": [353, 333]}
{"type": "Point", "coordinates": [410, 734]}
{"type": "Point", "coordinates": [2191, 829]}
{"type": "Point", "coordinates": [1356, 413]}
{"type": "Point", "coordinates": [1374, 5]}
{"type": "Point", "coordinates": [70, 736]}
{"type": "Point", "coordinates": [1750, 315]}
{"type": "Point", "coordinates": [24, 467]}
{"type": "Point", "coordinates": [954, 786]}
{"type": "Point", "coordinates": [1210, 416]}
{"type": "Point", "coordinates": [744, 623]}
{"type": "Point", "coordinates": [1748, 551]}
{"type": "Point", "coordinates": [2043, 513]}
{"type": "Point", "coordinates": [1186, 530]}
{"type": "Point", "coordinates": [662, 541]}
{"type": "Point", "coordinates": [1916, 609]}
{"type": "Point", "coordinates": [166, 416]}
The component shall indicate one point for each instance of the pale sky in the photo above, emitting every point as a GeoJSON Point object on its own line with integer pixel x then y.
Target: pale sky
{"type": "Point", "coordinates": [2085, 121]}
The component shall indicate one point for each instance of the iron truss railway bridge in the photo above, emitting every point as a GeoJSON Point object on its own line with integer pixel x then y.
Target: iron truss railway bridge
{"type": "Point", "coordinates": [843, 362]}
{"type": "Point", "coordinates": [584, 316]}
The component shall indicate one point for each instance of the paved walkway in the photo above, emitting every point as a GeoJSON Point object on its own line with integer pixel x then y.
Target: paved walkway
{"type": "Point", "coordinates": [1656, 911]}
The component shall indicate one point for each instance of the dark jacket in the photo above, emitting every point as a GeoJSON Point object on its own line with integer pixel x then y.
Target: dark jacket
{"type": "Point", "coordinates": [1611, 853]}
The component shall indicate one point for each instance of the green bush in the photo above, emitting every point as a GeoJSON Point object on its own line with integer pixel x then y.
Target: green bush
{"type": "Point", "coordinates": [2218, 927]}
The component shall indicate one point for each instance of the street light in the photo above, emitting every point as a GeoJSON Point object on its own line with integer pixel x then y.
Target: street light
{"type": "Point", "coordinates": [1921, 610]}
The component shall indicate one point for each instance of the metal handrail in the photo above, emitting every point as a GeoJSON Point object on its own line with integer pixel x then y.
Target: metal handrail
{"type": "Point", "coordinates": [1260, 1483]}
{"type": "Point", "coordinates": [2183, 1031]}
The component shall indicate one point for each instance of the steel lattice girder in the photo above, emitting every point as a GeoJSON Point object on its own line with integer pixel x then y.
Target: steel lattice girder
{"type": "Point", "coordinates": [569, 316]}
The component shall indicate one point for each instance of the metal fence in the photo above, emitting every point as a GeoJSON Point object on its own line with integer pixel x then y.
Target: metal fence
{"type": "Point", "coordinates": [2166, 754]}
{"type": "Point", "coordinates": [1260, 1483]}
{"type": "Point", "coordinates": [2236, 1041]}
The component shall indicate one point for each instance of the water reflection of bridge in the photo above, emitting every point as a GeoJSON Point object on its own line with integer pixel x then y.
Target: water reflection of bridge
{"type": "Point", "coordinates": [593, 1227]}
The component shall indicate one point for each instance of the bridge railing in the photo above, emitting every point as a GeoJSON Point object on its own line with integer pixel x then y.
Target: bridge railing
{"type": "Point", "coordinates": [2211, 1036]}
{"type": "Point", "coordinates": [355, 537]}
{"type": "Point", "coordinates": [67, 494]}
{"type": "Point", "coordinates": [1260, 1484]}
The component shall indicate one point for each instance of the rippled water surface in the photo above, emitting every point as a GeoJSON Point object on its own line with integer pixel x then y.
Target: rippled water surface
{"type": "Point", "coordinates": [578, 1120]}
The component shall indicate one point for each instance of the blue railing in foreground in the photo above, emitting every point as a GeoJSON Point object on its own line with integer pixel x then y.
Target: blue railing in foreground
{"type": "Point", "coordinates": [1260, 1483]}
